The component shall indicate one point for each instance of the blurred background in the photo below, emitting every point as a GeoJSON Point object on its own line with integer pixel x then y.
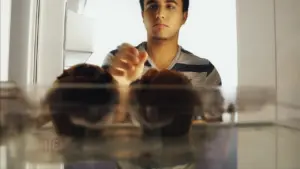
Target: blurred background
{"type": "Point", "coordinates": [251, 43]}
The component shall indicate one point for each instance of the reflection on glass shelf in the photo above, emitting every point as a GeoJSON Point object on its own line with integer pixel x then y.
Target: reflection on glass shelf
{"type": "Point", "coordinates": [76, 57]}
{"type": "Point", "coordinates": [257, 146]}
{"type": "Point", "coordinates": [3, 159]}
{"type": "Point", "coordinates": [44, 166]}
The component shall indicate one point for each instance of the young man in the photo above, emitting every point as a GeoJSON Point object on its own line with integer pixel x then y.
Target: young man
{"type": "Point", "coordinates": [163, 20]}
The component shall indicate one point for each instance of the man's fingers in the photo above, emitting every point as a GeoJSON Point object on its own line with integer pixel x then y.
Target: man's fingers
{"type": "Point", "coordinates": [116, 72]}
{"type": "Point", "coordinates": [129, 53]}
{"type": "Point", "coordinates": [124, 46]}
{"type": "Point", "coordinates": [129, 48]}
{"type": "Point", "coordinates": [143, 56]}
{"type": "Point", "coordinates": [133, 51]}
{"type": "Point", "coordinates": [128, 56]}
{"type": "Point", "coordinates": [123, 65]}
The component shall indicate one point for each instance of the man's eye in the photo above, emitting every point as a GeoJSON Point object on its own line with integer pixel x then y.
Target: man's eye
{"type": "Point", "coordinates": [154, 6]}
{"type": "Point", "coordinates": [171, 7]}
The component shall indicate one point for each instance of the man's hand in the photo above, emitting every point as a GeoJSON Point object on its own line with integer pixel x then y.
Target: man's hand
{"type": "Point", "coordinates": [128, 64]}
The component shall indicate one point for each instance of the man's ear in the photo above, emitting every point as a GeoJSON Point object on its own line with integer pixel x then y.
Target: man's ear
{"type": "Point", "coordinates": [185, 16]}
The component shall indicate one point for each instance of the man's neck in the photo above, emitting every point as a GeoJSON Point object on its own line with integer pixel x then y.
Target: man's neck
{"type": "Point", "coordinates": [162, 52]}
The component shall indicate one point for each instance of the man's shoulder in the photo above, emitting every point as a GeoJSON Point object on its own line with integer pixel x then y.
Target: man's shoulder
{"type": "Point", "coordinates": [196, 67]}
{"type": "Point", "coordinates": [188, 57]}
{"type": "Point", "coordinates": [113, 52]}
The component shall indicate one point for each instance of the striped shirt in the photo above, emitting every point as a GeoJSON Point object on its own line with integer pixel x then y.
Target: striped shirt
{"type": "Point", "coordinates": [199, 70]}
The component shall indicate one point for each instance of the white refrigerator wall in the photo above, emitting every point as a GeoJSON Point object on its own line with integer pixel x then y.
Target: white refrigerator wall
{"type": "Point", "coordinates": [269, 53]}
{"type": "Point", "coordinates": [31, 59]}
{"type": "Point", "coordinates": [51, 34]}
{"type": "Point", "coordinates": [21, 44]}
{"type": "Point", "coordinates": [288, 78]}
{"type": "Point", "coordinates": [256, 51]}
{"type": "Point", "coordinates": [256, 67]}
{"type": "Point", "coordinates": [262, 61]}
{"type": "Point", "coordinates": [288, 56]}
{"type": "Point", "coordinates": [5, 38]}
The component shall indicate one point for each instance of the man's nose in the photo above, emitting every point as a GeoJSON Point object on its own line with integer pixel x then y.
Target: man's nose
{"type": "Point", "coordinates": [160, 13]}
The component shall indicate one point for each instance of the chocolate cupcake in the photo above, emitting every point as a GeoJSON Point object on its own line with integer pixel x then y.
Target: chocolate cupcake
{"type": "Point", "coordinates": [165, 103]}
{"type": "Point", "coordinates": [90, 96]}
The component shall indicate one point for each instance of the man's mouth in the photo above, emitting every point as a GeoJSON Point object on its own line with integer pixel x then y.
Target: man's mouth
{"type": "Point", "coordinates": [160, 25]}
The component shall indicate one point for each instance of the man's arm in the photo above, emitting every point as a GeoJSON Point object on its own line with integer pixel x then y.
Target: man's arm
{"type": "Point", "coordinates": [125, 64]}
{"type": "Point", "coordinates": [207, 75]}
{"type": "Point", "coordinates": [213, 77]}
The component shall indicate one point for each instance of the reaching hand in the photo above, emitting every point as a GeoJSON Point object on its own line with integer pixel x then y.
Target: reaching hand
{"type": "Point", "coordinates": [128, 64]}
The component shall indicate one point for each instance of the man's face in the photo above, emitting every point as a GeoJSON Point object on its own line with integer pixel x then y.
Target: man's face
{"type": "Point", "coordinates": [163, 18]}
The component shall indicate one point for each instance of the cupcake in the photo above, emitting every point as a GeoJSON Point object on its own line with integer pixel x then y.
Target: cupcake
{"type": "Point", "coordinates": [85, 92]}
{"type": "Point", "coordinates": [165, 103]}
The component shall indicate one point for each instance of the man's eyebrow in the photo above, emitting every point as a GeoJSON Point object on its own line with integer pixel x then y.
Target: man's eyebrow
{"type": "Point", "coordinates": [151, 2]}
{"type": "Point", "coordinates": [172, 1]}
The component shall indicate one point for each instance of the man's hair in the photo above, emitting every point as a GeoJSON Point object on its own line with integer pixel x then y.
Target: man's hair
{"type": "Point", "coordinates": [185, 3]}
